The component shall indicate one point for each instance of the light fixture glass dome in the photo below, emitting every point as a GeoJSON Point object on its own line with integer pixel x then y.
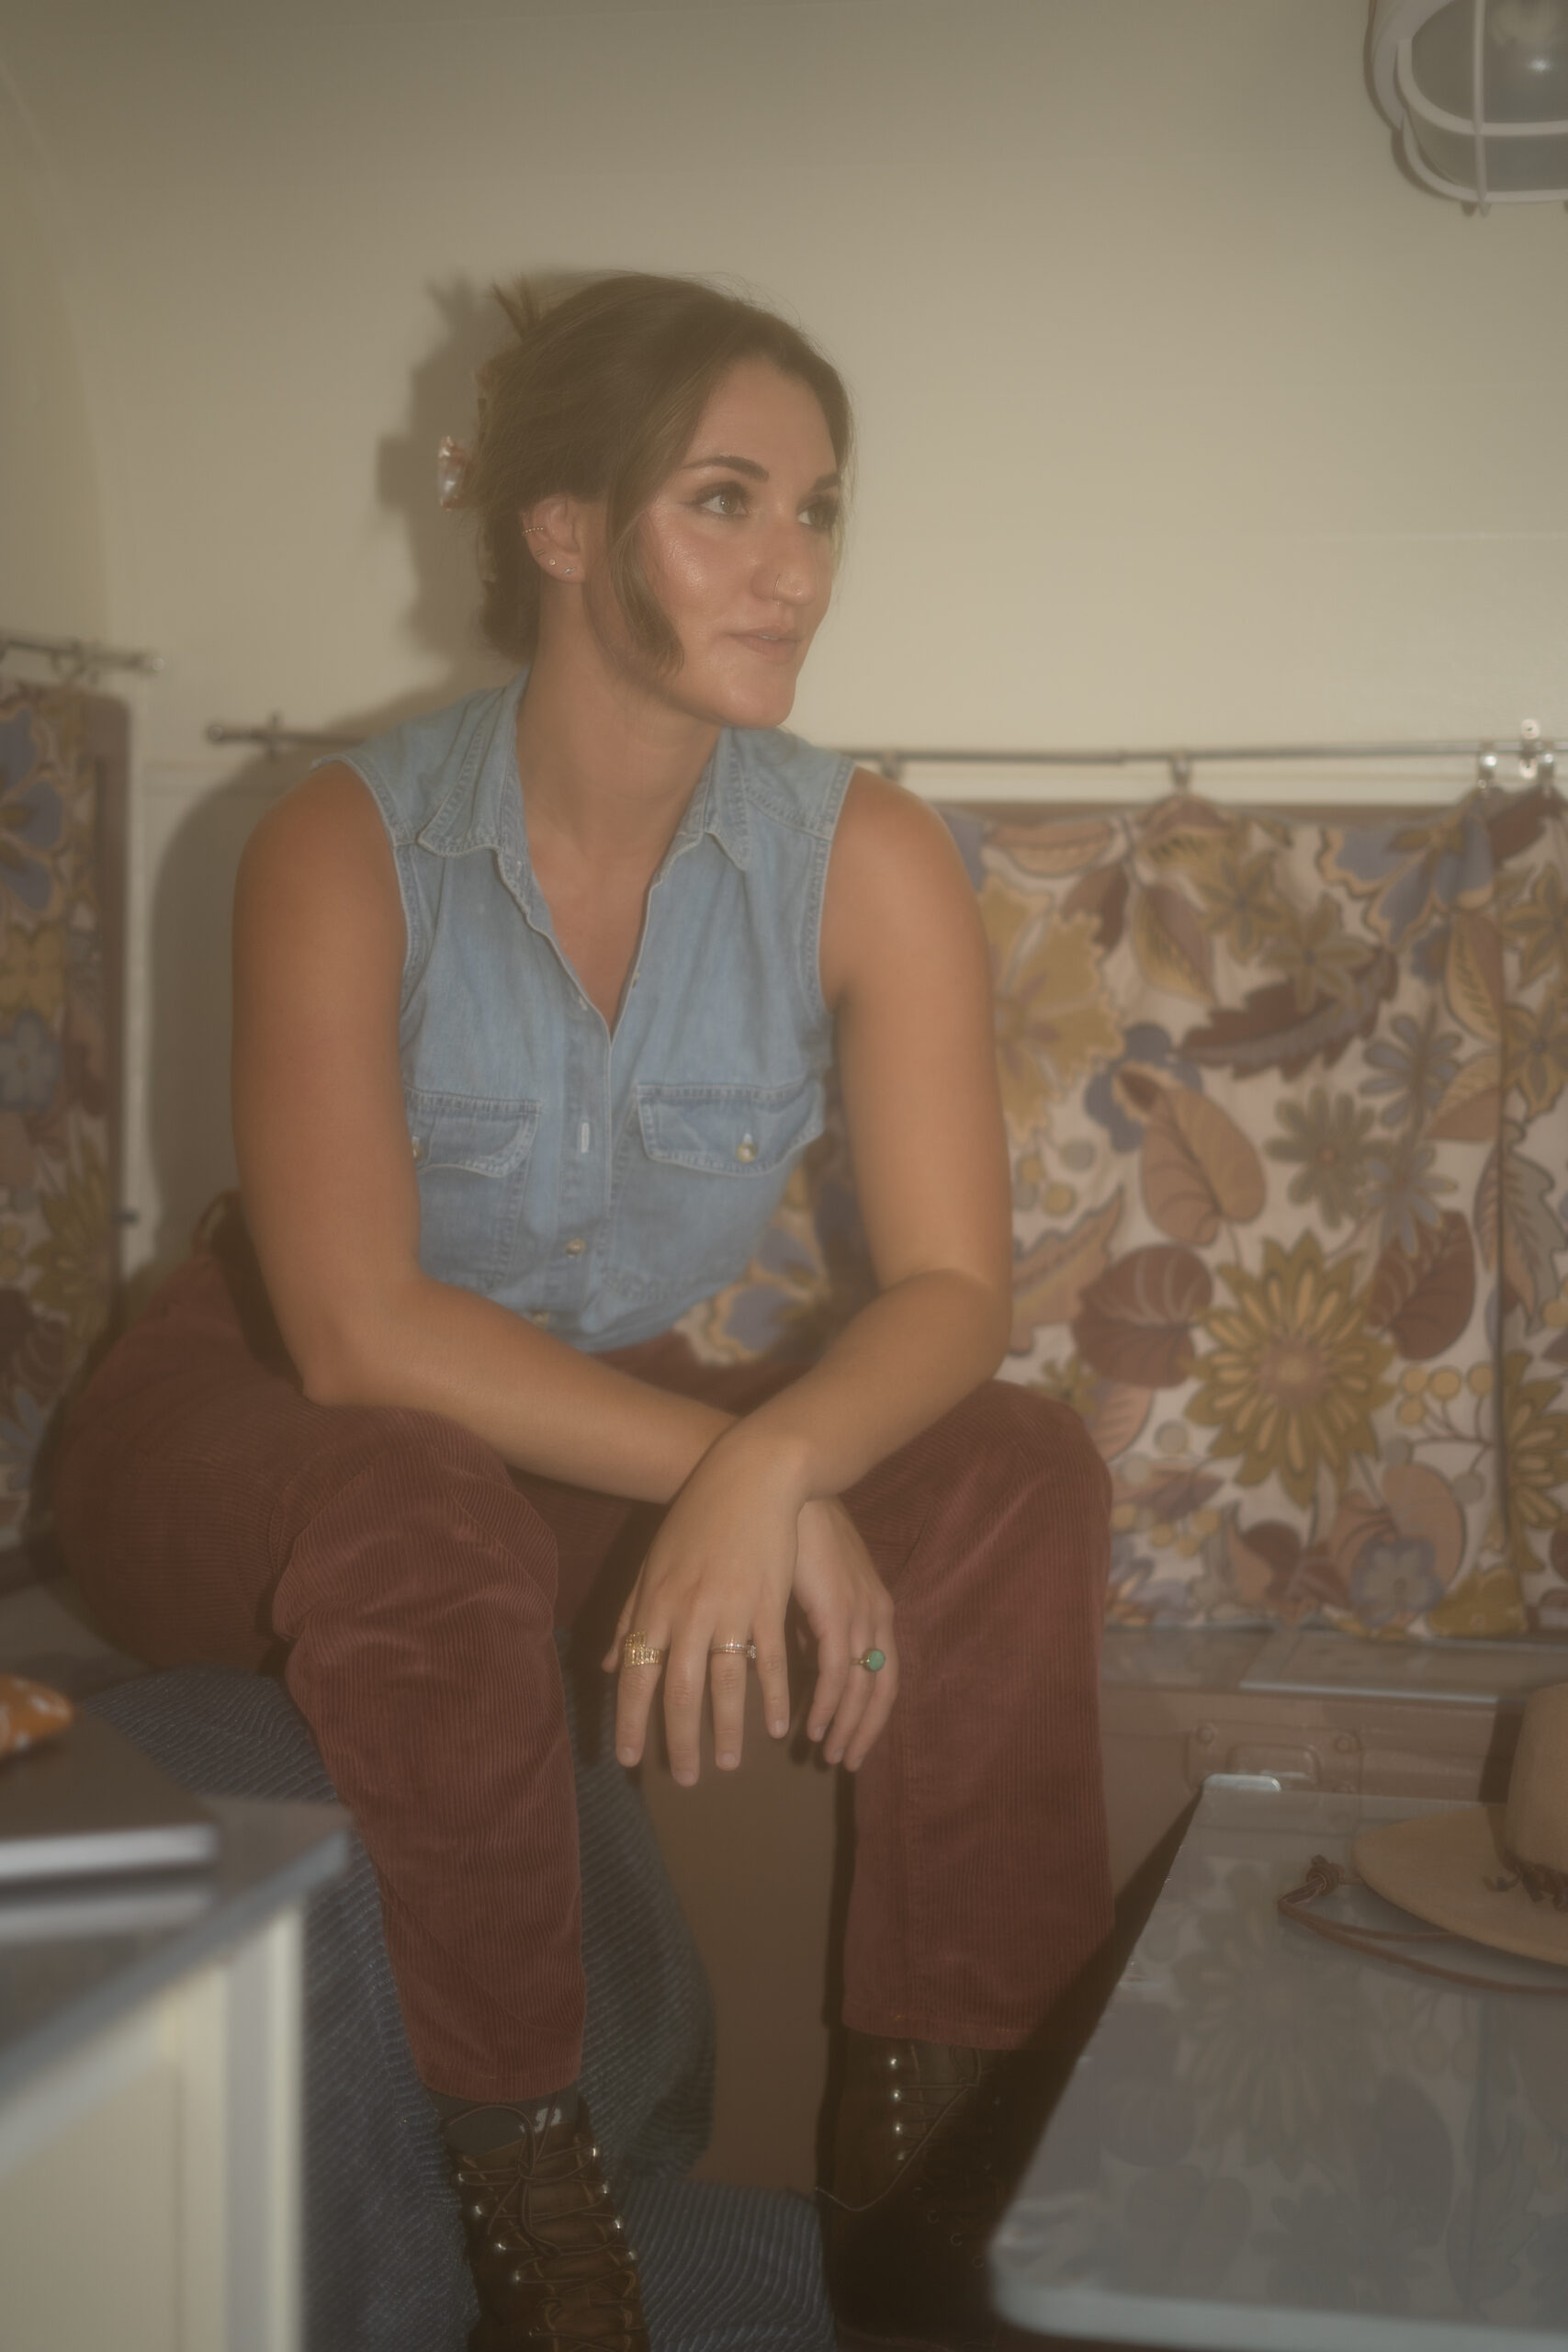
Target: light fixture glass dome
{"type": "Point", "coordinates": [1478, 91]}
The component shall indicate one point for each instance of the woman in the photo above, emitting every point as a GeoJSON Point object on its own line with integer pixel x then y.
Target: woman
{"type": "Point", "coordinates": [535, 1000]}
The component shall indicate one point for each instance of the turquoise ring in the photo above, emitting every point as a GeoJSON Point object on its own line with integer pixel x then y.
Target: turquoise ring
{"type": "Point", "coordinates": [872, 1661]}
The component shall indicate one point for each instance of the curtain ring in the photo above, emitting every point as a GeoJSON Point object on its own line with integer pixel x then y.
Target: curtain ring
{"type": "Point", "coordinates": [1538, 758]}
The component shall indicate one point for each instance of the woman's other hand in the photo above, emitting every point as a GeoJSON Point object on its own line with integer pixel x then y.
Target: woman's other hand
{"type": "Point", "coordinates": [850, 1611]}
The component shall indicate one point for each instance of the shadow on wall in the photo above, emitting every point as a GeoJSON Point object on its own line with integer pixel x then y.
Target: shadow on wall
{"type": "Point", "coordinates": [187, 1105]}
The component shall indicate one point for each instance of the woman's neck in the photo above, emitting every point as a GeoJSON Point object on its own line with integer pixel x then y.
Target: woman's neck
{"type": "Point", "coordinates": [607, 764]}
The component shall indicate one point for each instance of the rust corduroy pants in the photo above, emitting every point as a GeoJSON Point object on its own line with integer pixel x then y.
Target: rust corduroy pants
{"type": "Point", "coordinates": [406, 1585]}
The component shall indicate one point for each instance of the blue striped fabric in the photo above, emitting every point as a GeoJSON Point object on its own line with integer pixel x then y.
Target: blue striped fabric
{"type": "Point", "coordinates": [725, 2269]}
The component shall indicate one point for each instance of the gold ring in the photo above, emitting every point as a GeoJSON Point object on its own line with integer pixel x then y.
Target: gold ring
{"type": "Point", "coordinates": [872, 1661]}
{"type": "Point", "coordinates": [734, 1649]}
{"type": "Point", "coordinates": [639, 1651]}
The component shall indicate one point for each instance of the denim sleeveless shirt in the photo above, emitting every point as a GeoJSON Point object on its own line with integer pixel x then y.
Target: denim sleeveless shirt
{"type": "Point", "coordinates": [602, 1182]}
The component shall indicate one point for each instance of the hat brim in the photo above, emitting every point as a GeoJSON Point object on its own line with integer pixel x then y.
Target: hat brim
{"type": "Point", "coordinates": [1448, 1868]}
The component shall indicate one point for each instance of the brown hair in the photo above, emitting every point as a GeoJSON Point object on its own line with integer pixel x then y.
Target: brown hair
{"type": "Point", "coordinates": [599, 397]}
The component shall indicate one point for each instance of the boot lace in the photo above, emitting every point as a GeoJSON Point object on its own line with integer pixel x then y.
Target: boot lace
{"type": "Point", "coordinates": [544, 2214]}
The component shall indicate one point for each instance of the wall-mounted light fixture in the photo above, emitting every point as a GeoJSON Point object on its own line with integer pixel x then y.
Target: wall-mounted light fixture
{"type": "Point", "coordinates": [1478, 91]}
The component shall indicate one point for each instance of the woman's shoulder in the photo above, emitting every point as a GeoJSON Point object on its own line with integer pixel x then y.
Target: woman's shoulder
{"type": "Point", "coordinates": [318, 865]}
{"type": "Point", "coordinates": [883, 820]}
{"type": "Point", "coordinates": [896, 884]}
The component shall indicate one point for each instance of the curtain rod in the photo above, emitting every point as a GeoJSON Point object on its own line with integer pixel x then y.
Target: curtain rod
{"type": "Point", "coordinates": [1535, 754]}
{"type": "Point", "coordinates": [75, 658]}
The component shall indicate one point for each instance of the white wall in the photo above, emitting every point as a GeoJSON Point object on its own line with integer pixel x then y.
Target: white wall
{"type": "Point", "coordinates": [51, 566]}
{"type": "Point", "coordinates": [1185, 415]}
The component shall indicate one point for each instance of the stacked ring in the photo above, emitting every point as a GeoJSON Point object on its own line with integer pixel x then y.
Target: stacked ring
{"type": "Point", "coordinates": [872, 1661]}
{"type": "Point", "coordinates": [639, 1651]}
{"type": "Point", "coordinates": [734, 1649]}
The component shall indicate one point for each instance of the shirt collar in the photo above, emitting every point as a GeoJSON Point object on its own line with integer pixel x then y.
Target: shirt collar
{"type": "Point", "coordinates": [483, 809]}
{"type": "Point", "coordinates": [718, 805]}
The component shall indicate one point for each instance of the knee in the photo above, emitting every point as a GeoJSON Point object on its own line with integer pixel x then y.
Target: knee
{"type": "Point", "coordinates": [391, 1475]}
{"type": "Point", "coordinates": [405, 1511]}
{"type": "Point", "coordinates": [1017, 1436]}
{"type": "Point", "coordinates": [393, 1444]}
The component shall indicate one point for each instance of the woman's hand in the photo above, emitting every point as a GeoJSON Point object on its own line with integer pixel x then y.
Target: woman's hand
{"type": "Point", "coordinates": [850, 1610]}
{"type": "Point", "coordinates": [720, 1570]}
{"type": "Point", "coordinates": [735, 1545]}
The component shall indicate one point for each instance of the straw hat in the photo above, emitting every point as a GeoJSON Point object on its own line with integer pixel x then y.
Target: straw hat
{"type": "Point", "coordinates": [1461, 1871]}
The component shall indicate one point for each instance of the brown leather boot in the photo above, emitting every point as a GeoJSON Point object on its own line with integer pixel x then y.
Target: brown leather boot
{"type": "Point", "coordinates": [547, 2247]}
{"type": "Point", "coordinates": [931, 2139]}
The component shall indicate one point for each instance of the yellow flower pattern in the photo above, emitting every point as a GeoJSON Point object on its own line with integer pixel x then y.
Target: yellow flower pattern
{"type": "Point", "coordinates": [1535, 1443]}
{"type": "Point", "coordinates": [1055, 1024]}
{"type": "Point", "coordinates": [32, 970]}
{"type": "Point", "coordinates": [1536, 1051]}
{"type": "Point", "coordinates": [1294, 1377]}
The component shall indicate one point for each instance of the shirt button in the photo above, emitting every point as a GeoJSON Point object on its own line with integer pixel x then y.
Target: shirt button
{"type": "Point", "coordinates": [418, 1149]}
{"type": "Point", "coordinates": [542, 1320]}
{"type": "Point", "coordinates": [745, 1148]}
{"type": "Point", "coordinates": [574, 1248]}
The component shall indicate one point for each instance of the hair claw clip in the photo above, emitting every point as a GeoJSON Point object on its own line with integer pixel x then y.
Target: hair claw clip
{"type": "Point", "coordinates": [451, 465]}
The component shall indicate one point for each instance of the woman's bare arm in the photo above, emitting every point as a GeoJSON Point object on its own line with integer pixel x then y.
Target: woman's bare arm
{"type": "Point", "coordinates": [906, 967]}
{"type": "Point", "coordinates": [328, 1178]}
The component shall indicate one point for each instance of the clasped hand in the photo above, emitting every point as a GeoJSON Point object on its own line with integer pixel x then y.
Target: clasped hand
{"type": "Point", "coordinates": [732, 1550]}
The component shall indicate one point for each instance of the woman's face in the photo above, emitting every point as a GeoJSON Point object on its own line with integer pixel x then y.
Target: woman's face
{"type": "Point", "coordinates": [739, 547]}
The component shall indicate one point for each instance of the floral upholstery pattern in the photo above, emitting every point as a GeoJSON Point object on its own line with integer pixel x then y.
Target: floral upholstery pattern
{"type": "Point", "coordinates": [55, 1069]}
{"type": "Point", "coordinates": [1288, 1108]}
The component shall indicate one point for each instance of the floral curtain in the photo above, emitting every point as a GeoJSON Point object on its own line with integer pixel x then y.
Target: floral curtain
{"type": "Point", "coordinates": [62, 756]}
{"type": "Point", "coordinates": [1290, 1144]}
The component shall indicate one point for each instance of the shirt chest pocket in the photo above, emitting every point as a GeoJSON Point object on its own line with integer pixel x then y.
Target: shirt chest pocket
{"type": "Point", "coordinates": [748, 1132]}
{"type": "Point", "coordinates": [470, 1155]}
{"type": "Point", "coordinates": [713, 1163]}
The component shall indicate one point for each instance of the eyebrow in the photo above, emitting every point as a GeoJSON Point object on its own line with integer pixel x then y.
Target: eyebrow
{"type": "Point", "coordinates": [750, 465]}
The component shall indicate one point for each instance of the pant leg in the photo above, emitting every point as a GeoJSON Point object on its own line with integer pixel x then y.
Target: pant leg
{"type": "Point", "coordinates": [386, 1558]}
{"type": "Point", "coordinates": [982, 1878]}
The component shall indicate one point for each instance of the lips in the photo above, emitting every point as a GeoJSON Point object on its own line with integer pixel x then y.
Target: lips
{"type": "Point", "coordinates": [772, 645]}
